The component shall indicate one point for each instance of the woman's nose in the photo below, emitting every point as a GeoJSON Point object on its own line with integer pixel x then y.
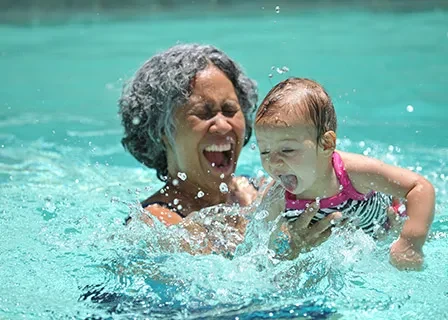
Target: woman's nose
{"type": "Point", "coordinates": [220, 124]}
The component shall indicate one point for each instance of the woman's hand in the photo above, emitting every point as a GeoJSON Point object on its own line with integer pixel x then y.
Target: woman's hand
{"type": "Point", "coordinates": [304, 235]}
{"type": "Point", "coordinates": [242, 191]}
{"type": "Point", "coordinates": [214, 230]}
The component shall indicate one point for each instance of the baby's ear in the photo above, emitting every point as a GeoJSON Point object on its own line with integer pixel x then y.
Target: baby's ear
{"type": "Point", "coordinates": [328, 141]}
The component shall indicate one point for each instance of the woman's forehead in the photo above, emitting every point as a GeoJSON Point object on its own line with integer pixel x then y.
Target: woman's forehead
{"type": "Point", "coordinates": [211, 81]}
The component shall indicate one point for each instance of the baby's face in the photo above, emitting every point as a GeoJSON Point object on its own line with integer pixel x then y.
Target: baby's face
{"type": "Point", "coordinates": [289, 154]}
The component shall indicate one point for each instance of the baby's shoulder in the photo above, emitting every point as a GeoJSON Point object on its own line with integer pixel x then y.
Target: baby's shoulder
{"type": "Point", "coordinates": [357, 163]}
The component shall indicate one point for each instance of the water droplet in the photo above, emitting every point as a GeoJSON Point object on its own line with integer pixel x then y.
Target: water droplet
{"type": "Point", "coordinates": [213, 164]}
{"type": "Point", "coordinates": [182, 176]}
{"type": "Point", "coordinates": [175, 182]}
{"type": "Point", "coordinates": [179, 207]}
{"type": "Point", "coordinates": [277, 9]}
{"type": "Point", "coordinates": [176, 202]}
{"type": "Point", "coordinates": [136, 121]}
{"type": "Point", "coordinates": [390, 148]}
{"type": "Point", "coordinates": [200, 194]}
{"type": "Point", "coordinates": [362, 144]}
{"type": "Point", "coordinates": [317, 200]}
{"type": "Point", "coordinates": [261, 215]}
{"type": "Point", "coordinates": [222, 176]}
{"type": "Point", "coordinates": [270, 75]}
{"type": "Point", "coordinates": [223, 187]}
{"type": "Point", "coordinates": [282, 70]}
{"type": "Point", "coordinates": [253, 146]}
{"type": "Point", "coordinates": [409, 108]}
{"type": "Point", "coordinates": [53, 132]}
{"type": "Point", "coordinates": [77, 181]}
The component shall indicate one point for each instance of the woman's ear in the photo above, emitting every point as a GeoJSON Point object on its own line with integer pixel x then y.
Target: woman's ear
{"type": "Point", "coordinates": [165, 141]}
{"type": "Point", "coordinates": [328, 141]}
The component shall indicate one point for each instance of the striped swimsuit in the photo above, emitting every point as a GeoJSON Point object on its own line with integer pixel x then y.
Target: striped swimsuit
{"type": "Point", "coordinates": [367, 211]}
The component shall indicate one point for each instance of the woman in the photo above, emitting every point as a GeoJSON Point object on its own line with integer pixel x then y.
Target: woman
{"type": "Point", "coordinates": [187, 114]}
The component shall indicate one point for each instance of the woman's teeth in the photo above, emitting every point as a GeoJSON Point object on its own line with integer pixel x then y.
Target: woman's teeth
{"type": "Point", "coordinates": [218, 148]}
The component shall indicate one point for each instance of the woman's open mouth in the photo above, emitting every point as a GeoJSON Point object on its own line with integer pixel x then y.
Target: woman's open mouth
{"type": "Point", "coordinates": [220, 157]}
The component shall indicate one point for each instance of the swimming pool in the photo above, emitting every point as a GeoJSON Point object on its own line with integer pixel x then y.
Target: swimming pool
{"type": "Point", "coordinates": [67, 184]}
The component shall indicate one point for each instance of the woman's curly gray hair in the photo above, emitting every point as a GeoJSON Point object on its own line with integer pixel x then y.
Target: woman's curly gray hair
{"type": "Point", "coordinates": [161, 85]}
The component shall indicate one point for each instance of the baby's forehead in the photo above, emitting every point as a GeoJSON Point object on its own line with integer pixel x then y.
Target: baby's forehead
{"type": "Point", "coordinates": [286, 111]}
{"type": "Point", "coordinates": [271, 133]}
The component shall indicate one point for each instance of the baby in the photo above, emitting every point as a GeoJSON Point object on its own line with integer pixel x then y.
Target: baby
{"type": "Point", "coordinates": [295, 130]}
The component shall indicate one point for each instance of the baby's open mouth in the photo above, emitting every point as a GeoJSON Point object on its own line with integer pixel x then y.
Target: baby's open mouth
{"type": "Point", "coordinates": [289, 182]}
{"type": "Point", "coordinates": [219, 156]}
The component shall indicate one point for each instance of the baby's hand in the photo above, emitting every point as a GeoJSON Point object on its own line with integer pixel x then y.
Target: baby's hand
{"type": "Point", "coordinates": [405, 256]}
{"type": "Point", "coordinates": [304, 235]}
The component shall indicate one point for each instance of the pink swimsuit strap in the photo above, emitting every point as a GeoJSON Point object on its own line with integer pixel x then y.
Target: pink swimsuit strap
{"type": "Point", "coordinates": [347, 192]}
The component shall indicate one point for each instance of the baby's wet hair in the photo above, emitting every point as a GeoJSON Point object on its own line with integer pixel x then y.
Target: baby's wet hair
{"type": "Point", "coordinates": [302, 97]}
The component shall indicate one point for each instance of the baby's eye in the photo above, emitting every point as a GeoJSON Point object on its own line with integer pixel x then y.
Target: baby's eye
{"type": "Point", "coordinates": [288, 150]}
{"type": "Point", "coordinates": [264, 153]}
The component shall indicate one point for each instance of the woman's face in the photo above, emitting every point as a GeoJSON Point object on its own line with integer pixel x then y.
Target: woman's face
{"type": "Point", "coordinates": [210, 131]}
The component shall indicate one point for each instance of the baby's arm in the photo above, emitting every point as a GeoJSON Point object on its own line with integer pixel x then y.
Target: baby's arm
{"type": "Point", "coordinates": [369, 174]}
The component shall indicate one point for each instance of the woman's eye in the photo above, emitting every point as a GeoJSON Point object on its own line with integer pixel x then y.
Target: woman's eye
{"type": "Point", "coordinates": [204, 114]}
{"type": "Point", "coordinates": [228, 113]}
{"type": "Point", "coordinates": [287, 150]}
{"type": "Point", "coordinates": [264, 153]}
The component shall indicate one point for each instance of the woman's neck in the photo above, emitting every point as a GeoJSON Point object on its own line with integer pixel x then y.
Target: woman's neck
{"type": "Point", "coordinates": [187, 197]}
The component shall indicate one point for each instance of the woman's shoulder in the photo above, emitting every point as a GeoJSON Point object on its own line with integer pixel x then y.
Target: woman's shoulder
{"type": "Point", "coordinates": [163, 213]}
{"type": "Point", "coordinates": [154, 206]}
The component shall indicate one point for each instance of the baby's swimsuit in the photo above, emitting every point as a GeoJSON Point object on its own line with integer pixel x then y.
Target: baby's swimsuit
{"type": "Point", "coordinates": [368, 211]}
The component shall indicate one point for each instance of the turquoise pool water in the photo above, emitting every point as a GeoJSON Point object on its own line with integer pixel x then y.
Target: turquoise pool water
{"type": "Point", "coordinates": [66, 183]}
